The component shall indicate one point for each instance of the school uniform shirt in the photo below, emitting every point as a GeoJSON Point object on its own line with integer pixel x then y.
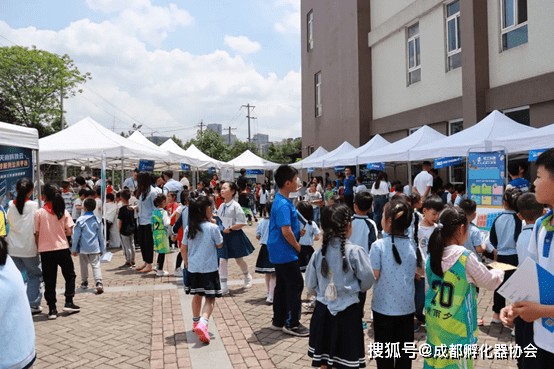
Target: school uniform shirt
{"type": "Point", "coordinates": [459, 199]}
{"type": "Point", "coordinates": [173, 186]}
{"type": "Point", "coordinates": [312, 196]}
{"type": "Point", "coordinates": [76, 213]}
{"type": "Point", "coordinates": [147, 207]}
{"type": "Point", "coordinates": [361, 231]}
{"type": "Point", "coordinates": [283, 213]}
{"type": "Point", "coordinates": [423, 235]}
{"type": "Point", "coordinates": [423, 180]}
{"type": "Point", "coordinates": [393, 292]}
{"type": "Point", "coordinates": [505, 228]}
{"type": "Point", "coordinates": [473, 239]}
{"type": "Point", "coordinates": [407, 190]}
{"type": "Point", "coordinates": [520, 183]}
{"type": "Point", "coordinates": [202, 250]}
{"type": "Point", "coordinates": [52, 230]}
{"type": "Point", "coordinates": [358, 278]}
{"type": "Point", "coordinates": [130, 183]}
{"type": "Point", "coordinates": [68, 199]}
{"type": "Point", "coordinates": [522, 243]}
{"type": "Point", "coordinates": [264, 196]}
{"type": "Point", "coordinates": [111, 212]}
{"type": "Point", "coordinates": [383, 189]}
{"type": "Point", "coordinates": [311, 231]}
{"type": "Point", "coordinates": [98, 209]}
{"type": "Point", "coordinates": [262, 230]}
{"type": "Point", "coordinates": [21, 238]}
{"type": "Point", "coordinates": [359, 188]}
{"type": "Point", "coordinates": [233, 210]}
{"type": "Point", "coordinates": [87, 235]}
{"type": "Point", "coordinates": [540, 248]}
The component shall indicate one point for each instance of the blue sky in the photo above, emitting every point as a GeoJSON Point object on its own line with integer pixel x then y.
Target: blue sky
{"type": "Point", "coordinates": [170, 64]}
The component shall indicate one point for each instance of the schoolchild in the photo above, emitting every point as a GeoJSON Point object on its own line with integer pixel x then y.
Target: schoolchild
{"type": "Point", "coordinates": [312, 233]}
{"type": "Point", "coordinates": [68, 196]}
{"type": "Point", "coordinates": [263, 264]}
{"type": "Point", "coordinates": [179, 227]}
{"type": "Point", "coordinates": [264, 199]}
{"type": "Point", "coordinates": [126, 226]}
{"type": "Point", "coordinates": [459, 194]}
{"type": "Point", "coordinates": [78, 207]}
{"type": "Point", "coordinates": [160, 223]}
{"type": "Point", "coordinates": [474, 241]}
{"type": "Point", "coordinates": [314, 199]}
{"type": "Point", "coordinates": [201, 240]}
{"type": "Point", "coordinates": [144, 208]}
{"type": "Point", "coordinates": [337, 273]}
{"type": "Point", "coordinates": [360, 186]}
{"type": "Point", "coordinates": [88, 242]}
{"type": "Point", "coordinates": [172, 207]}
{"type": "Point", "coordinates": [110, 215]}
{"type": "Point", "coordinates": [446, 196]}
{"type": "Point", "coordinates": [453, 272]}
{"type": "Point", "coordinates": [329, 191]}
{"type": "Point", "coordinates": [516, 178]}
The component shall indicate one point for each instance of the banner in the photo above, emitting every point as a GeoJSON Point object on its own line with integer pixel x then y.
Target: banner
{"type": "Point", "coordinates": [146, 166]}
{"type": "Point", "coordinates": [185, 167]}
{"type": "Point", "coordinates": [369, 175]}
{"type": "Point", "coordinates": [448, 162]}
{"type": "Point", "coordinates": [211, 170]}
{"type": "Point", "coordinates": [340, 169]}
{"type": "Point", "coordinates": [485, 182]}
{"type": "Point", "coordinates": [534, 154]}
{"type": "Point", "coordinates": [254, 172]}
{"type": "Point", "coordinates": [311, 170]}
{"type": "Point", "coordinates": [15, 163]}
{"type": "Point", "coordinates": [376, 166]}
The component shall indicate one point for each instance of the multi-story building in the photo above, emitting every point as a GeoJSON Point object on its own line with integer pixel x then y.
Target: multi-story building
{"type": "Point", "coordinates": [216, 127]}
{"type": "Point", "coordinates": [388, 67]}
{"type": "Point", "coordinates": [231, 141]}
{"type": "Point", "coordinates": [259, 139]}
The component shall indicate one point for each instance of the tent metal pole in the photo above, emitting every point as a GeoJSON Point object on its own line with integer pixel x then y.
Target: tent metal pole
{"type": "Point", "coordinates": [37, 174]}
{"type": "Point", "coordinates": [410, 176]}
{"type": "Point", "coordinates": [103, 194]}
{"type": "Point", "coordinates": [122, 171]}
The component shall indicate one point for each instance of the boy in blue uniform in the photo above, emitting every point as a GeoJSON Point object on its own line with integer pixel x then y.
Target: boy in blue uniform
{"type": "Point", "coordinates": [283, 248]}
{"type": "Point", "coordinates": [364, 230]}
{"type": "Point", "coordinates": [540, 249]}
{"type": "Point", "coordinates": [517, 180]}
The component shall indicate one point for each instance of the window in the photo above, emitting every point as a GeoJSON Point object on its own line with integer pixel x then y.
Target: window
{"type": "Point", "coordinates": [453, 35]}
{"type": "Point", "coordinates": [520, 115]}
{"type": "Point", "coordinates": [456, 173]}
{"type": "Point", "coordinates": [414, 60]}
{"type": "Point", "coordinates": [318, 94]}
{"type": "Point", "coordinates": [514, 23]}
{"type": "Point", "coordinates": [413, 130]}
{"type": "Point", "coordinates": [455, 126]}
{"type": "Point", "coordinates": [310, 30]}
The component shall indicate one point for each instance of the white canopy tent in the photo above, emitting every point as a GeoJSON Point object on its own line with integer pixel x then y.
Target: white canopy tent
{"type": "Point", "coordinates": [540, 138]}
{"type": "Point", "coordinates": [175, 157]}
{"type": "Point", "coordinates": [321, 162]}
{"type": "Point", "coordinates": [249, 160]}
{"type": "Point", "coordinates": [351, 157]}
{"type": "Point", "coordinates": [485, 133]}
{"type": "Point", "coordinates": [316, 154]}
{"type": "Point", "coordinates": [201, 160]}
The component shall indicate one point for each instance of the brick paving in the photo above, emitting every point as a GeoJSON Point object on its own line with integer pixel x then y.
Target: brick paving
{"type": "Point", "coordinates": [138, 323]}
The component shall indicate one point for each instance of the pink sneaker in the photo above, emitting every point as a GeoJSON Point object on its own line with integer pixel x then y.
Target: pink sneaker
{"type": "Point", "coordinates": [202, 331]}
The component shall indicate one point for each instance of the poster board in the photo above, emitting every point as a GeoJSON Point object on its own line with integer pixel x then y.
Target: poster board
{"type": "Point", "coordinates": [15, 163]}
{"type": "Point", "coordinates": [227, 174]}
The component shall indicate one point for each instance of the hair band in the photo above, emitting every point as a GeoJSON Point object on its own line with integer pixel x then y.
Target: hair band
{"type": "Point", "coordinates": [439, 225]}
{"type": "Point", "coordinates": [400, 213]}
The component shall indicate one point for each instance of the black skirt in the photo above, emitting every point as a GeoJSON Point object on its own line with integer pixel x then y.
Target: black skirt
{"type": "Point", "coordinates": [235, 245]}
{"type": "Point", "coordinates": [306, 252]}
{"type": "Point", "coordinates": [263, 265]}
{"type": "Point", "coordinates": [337, 341]}
{"type": "Point", "coordinates": [203, 284]}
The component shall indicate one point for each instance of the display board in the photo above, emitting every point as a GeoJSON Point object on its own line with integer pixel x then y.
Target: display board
{"type": "Point", "coordinates": [486, 177]}
{"type": "Point", "coordinates": [146, 166]}
{"type": "Point", "coordinates": [369, 175]}
{"type": "Point", "coordinates": [15, 163]}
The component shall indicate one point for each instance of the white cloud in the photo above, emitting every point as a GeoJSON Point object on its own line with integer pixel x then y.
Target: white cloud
{"type": "Point", "coordinates": [111, 6]}
{"type": "Point", "coordinates": [290, 24]}
{"type": "Point", "coordinates": [165, 89]}
{"type": "Point", "coordinates": [242, 44]}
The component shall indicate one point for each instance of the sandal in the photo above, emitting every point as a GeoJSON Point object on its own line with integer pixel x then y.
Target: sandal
{"type": "Point", "coordinates": [147, 270]}
{"type": "Point", "coordinates": [141, 268]}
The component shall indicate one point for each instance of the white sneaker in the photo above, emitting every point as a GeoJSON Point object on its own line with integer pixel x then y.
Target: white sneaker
{"type": "Point", "coordinates": [178, 272]}
{"type": "Point", "coordinates": [248, 281]}
{"type": "Point", "coordinates": [495, 321]}
{"type": "Point", "coordinates": [162, 273]}
{"type": "Point", "coordinates": [269, 299]}
{"type": "Point", "coordinates": [224, 289]}
{"type": "Point", "coordinates": [36, 309]}
{"type": "Point", "coordinates": [155, 267]}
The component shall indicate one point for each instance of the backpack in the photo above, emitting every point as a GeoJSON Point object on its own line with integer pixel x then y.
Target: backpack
{"type": "Point", "coordinates": [494, 237]}
{"type": "Point", "coordinates": [372, 237]}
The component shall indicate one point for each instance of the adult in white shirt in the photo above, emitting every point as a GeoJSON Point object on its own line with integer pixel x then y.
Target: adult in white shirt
{"type": "Point", "coordinates": [423, 182]}
{"type": "Point", "coordinates": [380, 191]}
{"type": "Point", "coordinates": [185, 181]}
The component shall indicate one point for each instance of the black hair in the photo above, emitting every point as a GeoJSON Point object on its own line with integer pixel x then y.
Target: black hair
{"type": "Point", "coordinates": [283, 174]}
{"type": "Point", "coordinates": [168, 173]}
{"type": "Point", "coordinates": [90, 193]}
{"type": "Point", "coordinates": [434, 171]}
{"type": "Point", "coordinates": [233, 187]}
{"type": "Point", "coordinates": [159, 199]}
{"type": "Point", "coordinates": [363, 201]}
{"type": "Point", "coordinates": [414, 198]}
{"type": "Point", "coordinates": [433, 202]}
{"type": "Point", "coordinates": [144, 182]}
{"type": "Point", "coordinates": [218, 188]}
{"type": "Point", "coordinates": [89, 204]}
{"type": "Point", "coordinates": [82, 192]}
{"type": "Point", "coordinates": [3, 251]}
{"type": "Point", "coordinates": [460, 188]}
{"type": "Point", "coordinates": [400, 214]}
{"type": "Point", "coordinates": [426, 164]}
{"type": "Point", "coordinates": [153, 178]}
{"type": "Point", "coordinates": [468, 205]}
{"type": "Point", "coordinates": [510, 197]}
{"type": "Point", "coordinates": [65, 184]}
{"type": "Point", "coordinates": [546, 159]}
{"type": "Point", "coordinates": [513, 169]}
{"type": "Point", "coordinates": [98, 191]}
{"type": "Point", "coordinates": [523, 165]}
{"type": "Point", "coordinates": [52, 194]}
{"type": "Point", "coordinates": [380, 177]}
{"type": "Point", "coordinates": [197, 214]}
{"type": "Point", "coordinates": [306, 210]}
{"type": "Point", "coordinates": [80, 181]}
{"type": "Point", "coordinates": [242, 171]}
{"type": "Point", "coordinates": [118, 194]}
{"type": "Point", "coordinates": [529, 208]}
{"type": "Point", "coordinates": [268, 206]}
{"type": "Point", "coordinates": [360, 179]}
{"type": "Point", "coordinates": [334, 219]}
{"type": "Point", "coordinates": [125, 194]}
{"type": "Point", "coordinates": [337, 199]}
{"type": "Point", "coordinates": [185, 197]}
{"type": "Point", "coordinates": [342, 176]}
{"type": "Point", "coordinates": [448, 185]}
{"type": "Point", "coordinates": [136, 170]}
{"type": "Point", "coordinates": [110, 196]}
{"type": "Point", "coordinates": [450, 219]}
{"type": "Point", "coordinates": [172, 193]}
{"type": "Point", "coordinates": [23, 187]}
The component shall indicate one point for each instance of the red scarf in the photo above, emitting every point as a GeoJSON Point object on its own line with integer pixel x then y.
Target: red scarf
{"type": "Point", "coordinates": [48, 207]}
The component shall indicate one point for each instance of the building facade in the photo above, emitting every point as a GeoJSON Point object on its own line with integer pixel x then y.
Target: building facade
{"type": "Point", "coordinates": [216, 127]}
{"type": "Point", "coordinates": [388, 67]}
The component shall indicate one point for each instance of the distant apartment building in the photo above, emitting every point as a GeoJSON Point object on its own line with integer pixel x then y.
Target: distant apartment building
{"type": "Point", "coordinates": [232, 139]}
{"type": "Point", "coordinates": [158, 140]}
{"type": "Point", "coordinates": [216, 127]}
{"type": "Point", "coordinates": [259, 139]}
{"type": "Point", "coordinates": [389, 67]}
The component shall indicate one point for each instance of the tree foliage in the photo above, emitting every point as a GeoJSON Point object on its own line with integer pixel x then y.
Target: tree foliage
{"type": "Point", "coordinates": [31, 81]}
{"type": "Point", "coordinates": [135, 127]}
{"type": "Point", "coordinates": [279, 154]}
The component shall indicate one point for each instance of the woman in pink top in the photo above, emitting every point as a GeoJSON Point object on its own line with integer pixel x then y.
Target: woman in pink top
{"type": "Point", "coordinates": [52, 226]}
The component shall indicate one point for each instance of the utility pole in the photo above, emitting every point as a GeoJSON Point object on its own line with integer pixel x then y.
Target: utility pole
{"type": "Point", "coordinates": [248, 106]}
{"type": "Point", "coordinates": [61, 128]}
{"type": "Point", "coordinates": [230, 129]}
{"type": "Point", "coordinates": [201, 125]}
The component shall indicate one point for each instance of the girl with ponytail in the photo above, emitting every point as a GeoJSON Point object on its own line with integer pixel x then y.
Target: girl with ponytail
{"type": "Point", "coordinates": [21, 240]}
{"type": "Point", "coordinates": [394, 261]}
{"type": "Point", "coordinates": [337, 273]}
{"type": "Point", "coordinates": [453, 272]}
{"type": "Point", "coordinates": [52, 226]}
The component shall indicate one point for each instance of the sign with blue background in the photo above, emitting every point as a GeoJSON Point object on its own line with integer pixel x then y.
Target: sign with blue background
{"type": "Point", "coordinates": [311, 170]}
{"type": "Point", "coordinates": [254, 172]}
{"type": "Point", "coordinates": [185, 167]}
{"type": "Point", "coordinates": [146, 166]}
{"type": "Point", "coordinates": [211, 170]}
{"type": "Point", "coordinates": [534, 154]}
{"type": "Point", "coordinates": [485, 177]}
{"type": "Point", "coordinates": [376, 166]}
{"type": "Point", "coordinates": [448, 162]}
{"type": "Point", "coordinates": [15, 163]}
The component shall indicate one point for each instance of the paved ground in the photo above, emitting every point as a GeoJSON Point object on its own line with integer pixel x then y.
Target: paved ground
{"type": "Point", "coordinates": [142, 321]}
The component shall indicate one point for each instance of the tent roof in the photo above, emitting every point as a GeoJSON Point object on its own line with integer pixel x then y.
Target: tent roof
{"type": "Point", "coordinates": [87, 139]}
{"type": "Point", "coordinates": [18, 136]}
{"type": "Point", "coordinates": [176, 157]}
{"type": "Point", "coordinates": [316, 154]}
{"type": "Point", "coordinates": [321, 162]}
{"type": "Point", "coordinates": [540, 138]}
{"type": "Point", "coordinates": [351, 157]}
{"type": "Point", "coordinates": [139, 138]}
{"type": "Point", "coordinates": [398, 151]}
{"type": "Point", "coordinates": [249, 160]}
{"type": "Point", "coordinates": [484, 133]}
{"type": "Point", "coordinates": [201, 160]}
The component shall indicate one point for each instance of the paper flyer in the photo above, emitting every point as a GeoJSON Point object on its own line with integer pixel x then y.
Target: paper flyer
{"type": "Point", "coordinates": [530, 282]}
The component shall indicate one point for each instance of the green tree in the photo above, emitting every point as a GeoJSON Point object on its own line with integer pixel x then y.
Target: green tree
{"type": "Point", "coordinates": [177, 140]}
{"type": "Point", "coordinates": [31, 81]}
{"type": "Point", "coordinates": [210, 143]}
{"type": "Point", "coordinates": [135, 127]}
{"type": "Point", "coordinates": [279, 154]}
